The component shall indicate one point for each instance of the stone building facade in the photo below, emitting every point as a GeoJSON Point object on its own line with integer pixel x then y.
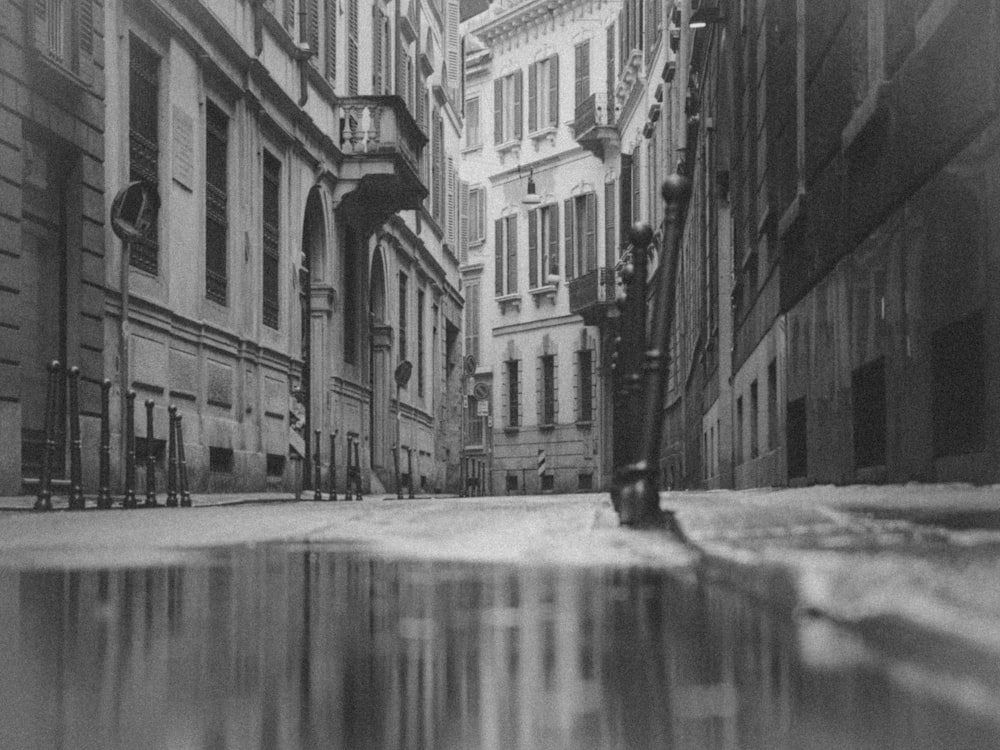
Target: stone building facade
{"type": "Point", "coordinates": [299, 149]}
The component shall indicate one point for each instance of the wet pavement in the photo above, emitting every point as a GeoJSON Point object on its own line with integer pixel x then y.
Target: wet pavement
{"type": "Point", "coordinates": [793, 620]}
{"type": "Point", "coordinates": [280, 647]}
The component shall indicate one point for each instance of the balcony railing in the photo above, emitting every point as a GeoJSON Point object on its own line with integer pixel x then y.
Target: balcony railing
{"type": "Point", "coordinates": [592, 293]}
{"type": "Point", "coordinates": [383, 147]}
{"type": "Point", "coordinates": [594, 123]}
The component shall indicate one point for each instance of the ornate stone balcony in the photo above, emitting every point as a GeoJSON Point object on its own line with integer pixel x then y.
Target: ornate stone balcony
{"type": "Point", "coordinates": [592, 295]}
{"type": "Point", "coordinates": [594, 124]}
{"type": "Point", "coordinates": [382, 146]}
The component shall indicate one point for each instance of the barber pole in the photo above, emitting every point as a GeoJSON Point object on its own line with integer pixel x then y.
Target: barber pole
{"type": "Point", "coordinates": [541, 466]}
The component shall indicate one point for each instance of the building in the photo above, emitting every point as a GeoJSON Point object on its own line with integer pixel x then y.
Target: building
{"type": "Point", "coordinates": [536, 245]}
{"type": "Point", "coordinates": [305, 244]}
{"type": "Point", "coordinates": [52, 249]}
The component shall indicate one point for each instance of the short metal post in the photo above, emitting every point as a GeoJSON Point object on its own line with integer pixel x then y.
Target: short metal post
{"type": "Point", "coordinates": [182, 474]}
{"type": "Point", "coordinates": [44, 499]}
{"type": "Point", "coordinates": [409, 469]}
{"type": "Point", "coordinates": [104, 480]}
{"type": "Point", "coordinates": [524, 481]}
{"type": "Point", "coordinates": [333, 465]}
{"type": "Point", "coordinates": [150, 457]}
{"type": "Point", "coordinates": [357, 468]}
{"type": "Point", "coordinates": [172, 458]}
{"type": "Point", "coordinates": [399, 480]}
{"type": "Point", "coordinates": [317, 468]}
{"type": "Point", "coordinates": [128, 501]}
{"type": "Point", "coordinates": [482, 478]}
{"type": "Point", "coordinates": [76, 501]}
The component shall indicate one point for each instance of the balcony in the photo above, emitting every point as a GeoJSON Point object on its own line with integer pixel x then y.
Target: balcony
{"type": "Point", "coordinates": [594, 124]}
{"type": "Point", "coordinates": [592, 295]}
{"type": "Point", "coordinates": [382, 146]}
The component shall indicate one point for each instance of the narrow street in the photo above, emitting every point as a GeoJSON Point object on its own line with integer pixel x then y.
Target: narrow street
{"type": "Point", "coordinates": [821, 617]}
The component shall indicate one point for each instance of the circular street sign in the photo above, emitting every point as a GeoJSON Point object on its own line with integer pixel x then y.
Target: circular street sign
{"type": "Point", "coordinates": [470, 364]}
{"type": "Point", "coordinates": [134, 210]}
{"type": "Point", "coordinates": [481, 391]}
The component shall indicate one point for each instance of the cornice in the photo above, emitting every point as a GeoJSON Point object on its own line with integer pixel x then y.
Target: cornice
{"type": "Point", "coordinates": [525, 15]}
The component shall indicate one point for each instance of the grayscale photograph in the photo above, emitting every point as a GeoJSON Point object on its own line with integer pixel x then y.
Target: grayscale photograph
{"type": "Point", "coordinates": [499, 374]}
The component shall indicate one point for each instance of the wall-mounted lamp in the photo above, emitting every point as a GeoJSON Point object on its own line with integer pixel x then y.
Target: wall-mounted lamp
{"type": "Point", "coordinates": [531, 197]}
{"type": "Point", "coordinates": [707, 12]}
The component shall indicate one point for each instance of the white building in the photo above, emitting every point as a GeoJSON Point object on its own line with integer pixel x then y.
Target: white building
{"type": "Point", "coordinates": [535, 269]}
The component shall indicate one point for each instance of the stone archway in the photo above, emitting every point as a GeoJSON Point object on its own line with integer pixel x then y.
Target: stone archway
{"type": "Point", "coordinates": [380, 363]}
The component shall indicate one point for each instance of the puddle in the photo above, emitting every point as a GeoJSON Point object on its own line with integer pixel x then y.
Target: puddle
{"type": "Point", "coordinates": [276, 648]}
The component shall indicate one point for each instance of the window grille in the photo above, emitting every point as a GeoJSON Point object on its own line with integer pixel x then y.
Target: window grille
{"type": "Point", "coordinates": [216, 222]}
{"type": "Point", "coordinates": [144, 142]}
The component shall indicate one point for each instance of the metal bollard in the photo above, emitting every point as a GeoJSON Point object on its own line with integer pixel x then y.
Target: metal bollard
{"type": "Point", "coordinates": [357, 468]}
{"type": "Point", "coordinates": [128, 501]}
{"type": "Point", "coordinates": [317, 469]}
{"type": "Point", "coordinates": [409, 470]}
{"type": "Point", "coordinates": [182, 474]}
{"type": "Point", "coordinates": [44, 499]}
{"type": "Point", "coordinates": [172, 458]}
{"type": "Point", "coordinates": [76, 501]}
{"type": "Point", "coordinates": [104, 490]}
{"type": "Point", "coordinates": [150, 458]}
{"type": "Point", "coordinates": [350, 459]}
{"type": "Point", "coordinates": [524, 482]}
{"type": "Point", "coordinates": [399, 479]}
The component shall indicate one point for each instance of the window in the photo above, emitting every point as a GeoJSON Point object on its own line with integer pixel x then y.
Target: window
{"type": "Point", "coordinates": [380, 43]}
{"type": "Point", "coordinates": [352, 47]}
{"type": "Point", "coordinates": [477, 432]}
{"type": "Point", "coordinates": [505, 231]}
{"type": "Point", "coordinates": [739, 430]}
{"type": "Point", "coordinates": [585, 385]}
{"type": "Point", "coordinates": [330, 59]}
{"type": "Point", "coordinates": [63, 32]}
{"type": "Point", "coordinates": [275, 465]}
{"type": "Point", "coordinates": [772, 405]}
{"type": "Point", "coordinates": [477, 215]}
{"type": "Point", "coordinates": [547, 397]}
{"type": "Point", "coordinates": [581, 234]}
{"type": "Point", "coordinates": [437, 167]}
{"type": "Point", "coordinates": [796, 438]}
{"type": "Point", "coordinates": [420, 342]}
{"type": "Point", "coordinates": [144, 141]}
{"type": "Point", "coordinates": [472, 319]}
{"type": "Point", "coordinates": [508, 116]}
{"type": "Point", "coordinates": [271, 232]}
{"type": "Point", "coordinates": [402, 316]}
{"type": "Point", "coordinates": [754, 420]}
{"type": "Point", "coordinates": [543, 94]}
{"type": "Point", "coordinates": [868, 397]}
{"type": "Point", "coordinates": [610, 238]}
{"type": "Point", "coordinates": [351, 250]}
{"type": "Point", "coordinates": [220, 460]}
{"type": "Point", "coordinates": [958, 370]}
{"type": "Point", "coordinates": [216, 199]}
{"type": "Point", "coordinates": [635, 183]}
{"type": "Point", "coordinates": [543, 245]}
{"type": "Point", "coordinates": [513, 392]}
{"type": "Point", "coordinates": [582, 70]}
{"type": "Point", "coordinates": [472, 137]}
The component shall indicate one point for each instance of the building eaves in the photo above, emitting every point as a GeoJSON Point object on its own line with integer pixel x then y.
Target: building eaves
{"type": "Point", "coordinates": [522, 16]}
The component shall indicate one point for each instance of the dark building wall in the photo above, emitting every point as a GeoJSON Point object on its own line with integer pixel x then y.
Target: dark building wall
{"type": "Point", "coordinates": [51, 224]}
{"type": "Point", "coordinates": [885, 278]}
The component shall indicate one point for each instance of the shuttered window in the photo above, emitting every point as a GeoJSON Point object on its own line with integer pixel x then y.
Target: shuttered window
{"type": "Point", "coordinates": [330, 58]}
{"type": "Point", "coordinates": [472, 319]}
{"type": "Point", "coordinates": [505, 231]}
{"type": "Point", "coordinates": [271, 231]}
{"type": "Point", "coordinates": [144, 140]}
{"type": "Point", "coordinates": [547, 390]}
{"type": "Point", "coordinates": [581, 234]}
{"type": "Point", "coordinates": [216, 200]}
{"type": "Point", "coordinates": [420, 343]}
{"type": "Point", "coordinates": [610, 236]}
{"type": "Point", "coordinates": [582, 70]}
{"type": "Point", "coordinates": [472, 137]}
{"type": "Point", "coordinates": [543, 94]}
{"type": "Point", "coordinates": [310, 34]}
{"type": "Point", "coordinates": [63, 31]}
{"type": "Point", "coordinates": [543, 245]}
{"type": "Point", "coordinates": [585, 385]}
{"type": "Point", "coordinates": [352, 47]}
{"type": "Point", "coordinates": [512, 391]}
{"type": "Point", "coordinates": [402, 316]}
{"type": "Point", "coordinates": [508, 113]}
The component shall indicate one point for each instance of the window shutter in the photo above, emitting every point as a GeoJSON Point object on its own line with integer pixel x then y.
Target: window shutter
{"type": "Point", "coordinates": [554, 91]}
{"type": "Point", "coordinates": [625, 174]}
{"type": "Point", "coordinates": [463, 221]}
{"type": "Point", "coordinates": [555, 389]}
{"type": "Point", "coordinates": [352, 47]}
{"type": "Point", "coordinates": [312, 25]}
{"type": "Point", "coordinates": [582, 72]}
{"type": "Point", "coordinates": [591, 228]}
{"type": "Point", "coordinates": [498, 111]}
{"type": "Point", "coordinates": [452, 40]}
{"type": "Point", "coordinates": [610, 240]}
{"type": "Point", "coordinates": [612, 74]}
{"type": "Point", "coordinates": [504, 394]}
{"type": "Point", "coordinates": [518, 105]}
{"type": "Point", "coordinates": [498, 271]}
{"type": "Point", "coordinates": [553, 268]}
{"type": "Point", "coordinates": [648, 28]}
{"type": "Point", "coordinates": [577, 382]}
{"type": "Point", "coordinates": [532, 97]}
{"type": "Point", "coordinates": [331, 40]}
{"type": "Point", "coordinates": [532, 249]}
{"type": "Point", "coordinates": [452, 204]}
{"type": "Point", "coordinates": [85, 40]}
{"type": "Point", "coordinates": [41, 24]}
{"type": "Point", "coordinates": [511, 254]}
{"type": "Point", "coordinates": [288, 18]}
{"type": "Point", "coordinates": [377, 50]}
{"type": "Point", "coordinates": [539, 391]}
{"type": "Point", "coordinates": [570, 248]}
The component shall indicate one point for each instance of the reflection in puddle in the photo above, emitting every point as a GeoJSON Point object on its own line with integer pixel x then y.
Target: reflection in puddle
{"type": "Point", "coordinates": [274, 648]}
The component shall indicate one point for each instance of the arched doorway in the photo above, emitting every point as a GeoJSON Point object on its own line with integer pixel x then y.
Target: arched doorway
{"type": "Point", "coordinates": [313, 247]}
{"type": "Point", "coordinates": [379, 362]}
